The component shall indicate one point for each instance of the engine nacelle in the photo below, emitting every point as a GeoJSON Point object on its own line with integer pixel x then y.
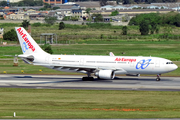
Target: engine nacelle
{"type": "Point", "coordinates": [105, 74]}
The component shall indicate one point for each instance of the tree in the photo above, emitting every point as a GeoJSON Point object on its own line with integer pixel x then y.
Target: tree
{"type": "Point", "coordinates": [144, 27]}
{"type": "Point", "coordinates": [169, 18]}
{"type": "Point", "coordinates": [21, 3]}
{"type": "Point", "coordinates": [66, 18]}
{"type": "Point", "coordinates": [124, 30]}
{"type": "Point", "coordinates": [153, 20]}
{"type": "Point", "coordinates": [177, 20]}
{"type": "Point", "coordinates": [137, 1]}
{"type": "Point", "coordinates": [102, 36]}
{"type": "Point", "coordinates": [36, 24]}
{"type": "Point", "coordinates": [61, 25]}
{"type": "Point", "coordinates": [114, 13]}
{"type": "Point", "coordinates": [88, 10]}
{"type": "Point", "coordinates": [47, 48]}
{"type": "Point", "coordinates": [10, 35]}
{"type": "Point", "coordinates": [74, 18]}
{"type": "Point", "coordinates": [41, 9]}
{"type": "Point", "coordinates": [153, 27]}
{"type": "Point", "coordinates": [127, 1]}
{"type": "Point", "coordinates": [38, 2]}
{"type": "Point", "coordinates": [3, 3]}
{"type": "Point", "coordinates": [55, 8]}
{"type": "Point", "coordinates": [46, 5]}
{"type": "Point", "coordinates": [141, 17]}
{"type": "Point", "coordinates": [50, 20]}
{"type": "Point", "coordinates": [25, 23]}
{"type": "Point", "coordinates": [28, 2]}
{"type": "Point", "coordinates": [97, 17]}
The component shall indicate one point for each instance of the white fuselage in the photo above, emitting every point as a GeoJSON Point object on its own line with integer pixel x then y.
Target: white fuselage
{"type": "Point", "coordinates": [119, 64]}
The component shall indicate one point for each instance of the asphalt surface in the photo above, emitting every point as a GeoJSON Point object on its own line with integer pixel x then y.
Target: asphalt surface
{"type": "Point", "coordinates": [75, 82]}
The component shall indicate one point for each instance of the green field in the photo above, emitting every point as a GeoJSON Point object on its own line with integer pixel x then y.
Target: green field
{"type": "Point", "coordinates": [84, 33]}
{"type": "Point", "coordinates": [59, 103]}
{"type": "Point", "coordinates": [169, 50]}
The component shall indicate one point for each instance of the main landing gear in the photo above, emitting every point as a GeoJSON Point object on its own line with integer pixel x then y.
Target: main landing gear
{"type": "Point", "coordinates": [89, 78]}
{"type": "Point", "coordinates": [158, 77]}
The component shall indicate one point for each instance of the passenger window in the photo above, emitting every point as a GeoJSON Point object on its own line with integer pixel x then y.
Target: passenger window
{"type": "Point", "coordinates": [169, 63]}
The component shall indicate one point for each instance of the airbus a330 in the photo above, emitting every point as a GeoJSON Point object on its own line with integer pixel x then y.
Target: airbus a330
{"type": "Point", "coordinates": [104, 67]}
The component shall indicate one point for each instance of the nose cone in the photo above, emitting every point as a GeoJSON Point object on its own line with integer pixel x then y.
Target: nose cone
{"type": "Point", "coordinates": [173, 67]}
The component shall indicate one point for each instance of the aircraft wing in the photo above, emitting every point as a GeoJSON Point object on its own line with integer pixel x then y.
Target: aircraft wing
{"type": "Point", "coordinates": [81, 68]}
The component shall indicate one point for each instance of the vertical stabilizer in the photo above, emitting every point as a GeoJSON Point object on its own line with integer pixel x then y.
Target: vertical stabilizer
{"type": "Point", "coordinates": [28, 45]}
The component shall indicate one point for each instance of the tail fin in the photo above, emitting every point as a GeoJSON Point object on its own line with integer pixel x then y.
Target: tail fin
{"type": "Point", "coordinates": [28, 45]}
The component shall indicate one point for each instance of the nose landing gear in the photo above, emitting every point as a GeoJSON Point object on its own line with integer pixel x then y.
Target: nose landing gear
{"type": "Point", "coordinates": [158, 77]}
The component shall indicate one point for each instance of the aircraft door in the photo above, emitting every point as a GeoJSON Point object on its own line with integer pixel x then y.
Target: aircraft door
{"type": "Point", "coordinates": [157, 64]}
{"type": "Point", "coordinates": [82, 61]}
{"type": "Point", "coordinates": [131, 64]}
{"type": "Point", "coordinates": [47, 60]}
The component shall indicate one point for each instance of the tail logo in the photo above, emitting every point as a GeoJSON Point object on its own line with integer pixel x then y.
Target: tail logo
{"type": "Point", "coordinates": [27, 42]}
{"type": "Point", "coordinates": [24, 47]}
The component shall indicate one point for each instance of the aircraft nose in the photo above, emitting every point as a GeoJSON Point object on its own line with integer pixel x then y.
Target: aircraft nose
{"type": "Point", "coordinates": [174, 67]}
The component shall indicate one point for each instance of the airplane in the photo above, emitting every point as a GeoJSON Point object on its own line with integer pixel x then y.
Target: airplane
{"type": "Point", "coordinates": [104, 67]}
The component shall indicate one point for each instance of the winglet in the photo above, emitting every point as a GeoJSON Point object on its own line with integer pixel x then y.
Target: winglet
{"type": "Point", "coordinates": [111, 54]}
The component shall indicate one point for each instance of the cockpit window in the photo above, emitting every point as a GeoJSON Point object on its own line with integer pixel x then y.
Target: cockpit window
{"type": "Point", "coordinates": [169, 63]}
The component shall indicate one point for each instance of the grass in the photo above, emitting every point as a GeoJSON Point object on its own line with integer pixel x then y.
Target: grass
{"type": "Point", "coordinates": [169, 50]}
{"type": "Point", "coordinates": [80, 104]}
{"type": "Point", "coordinates": [23, 68]}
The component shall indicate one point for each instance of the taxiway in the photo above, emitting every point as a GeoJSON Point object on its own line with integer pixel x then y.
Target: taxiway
{"type": "Point", "coordinates": [75, 82]}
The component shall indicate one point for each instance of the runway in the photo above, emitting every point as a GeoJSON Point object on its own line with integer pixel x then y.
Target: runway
{"type": "Point", "coordinates": [75, 82]}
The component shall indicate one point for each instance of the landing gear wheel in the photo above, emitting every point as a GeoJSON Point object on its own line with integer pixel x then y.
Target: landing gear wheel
{"type": "Point", "coordinates": [88, 79]}
{"type": "Point", "coordinates": [158, 79]}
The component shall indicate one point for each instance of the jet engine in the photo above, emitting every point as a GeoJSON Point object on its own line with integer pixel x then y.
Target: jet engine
{"type": "Point", "coordinates": [105, 74]}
